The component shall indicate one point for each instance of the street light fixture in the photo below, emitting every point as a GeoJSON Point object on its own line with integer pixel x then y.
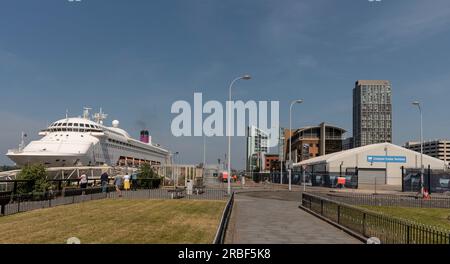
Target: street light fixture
{"type": "Point", "coordinates": [418, 104]}
{"type": "Point", "coordinates": [299, 101]}
{"type": "Point", "coordinates": [244, 77]}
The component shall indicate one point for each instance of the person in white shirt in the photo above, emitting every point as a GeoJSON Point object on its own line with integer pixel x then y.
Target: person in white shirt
{"type": "Point", "coordinates": [83, 181]}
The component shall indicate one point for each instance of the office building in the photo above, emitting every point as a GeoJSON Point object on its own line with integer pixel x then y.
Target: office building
{"type": "Point", "coordinates": [347, 143]}
{"type": "Point", "coordinates": [271, 162]}
{"type": "Point", "coordinates": [314, 141]}
{"type": "Point", "coordinates": [257, 147]}
{"type": "Point", "coordinates": [439, 149]}
{"type": "Point", "coordinates": [372, 112]}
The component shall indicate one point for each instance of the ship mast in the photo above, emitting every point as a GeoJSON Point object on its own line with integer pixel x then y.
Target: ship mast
{"type": "Point", "coordinates": [22, 141]}
{"type": "Point", "coordinates": [86, 112]}
{"type": "Point", "coordinates": [100, 116]}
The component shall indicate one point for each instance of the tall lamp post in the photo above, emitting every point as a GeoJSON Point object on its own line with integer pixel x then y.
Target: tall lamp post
{"type": "Point", "coordinates": [281, 156]}
{"type": "Point", "coordinates": [418, 104]}
{"type": "Point", "coordinates": [244, 77]}
{"type": "Point", "coordinates": [290, 140]}
{"type": "Point", "coordinates": [173, 168]}
{"type": "Point", "coordinates": [204, 160]}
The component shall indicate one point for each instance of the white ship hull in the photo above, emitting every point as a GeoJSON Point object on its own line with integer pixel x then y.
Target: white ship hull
{"type": "Point", "coordinates": [82, 142]}
{"type": "Point", "coordinates": [49, 160]}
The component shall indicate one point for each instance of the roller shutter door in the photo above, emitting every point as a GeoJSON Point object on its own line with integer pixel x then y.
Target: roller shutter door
{"type": "Point", "coordinates": [367, 176]}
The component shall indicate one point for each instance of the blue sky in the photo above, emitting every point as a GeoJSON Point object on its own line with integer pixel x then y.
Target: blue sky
{"type": "Point", "coordinates": [135, 58]}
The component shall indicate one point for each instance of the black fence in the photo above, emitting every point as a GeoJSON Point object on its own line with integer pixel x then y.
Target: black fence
{"type": "Point", "coordinates": [225, 219]}
{"type": "Point", "coordinates": [181, 193]}
{"type": "Point", "coordinates": [370, 224]}
{"type": "Point", "coordinates": [15, 203]}
{"type": "Point", "coordinates": [435, 181]}
{"type": "Point", "coordinates": [60, 184]}
{"type": "Point", "coordinates": [322, 179]}
{"type": "Point", "coordinates": [386, 199]}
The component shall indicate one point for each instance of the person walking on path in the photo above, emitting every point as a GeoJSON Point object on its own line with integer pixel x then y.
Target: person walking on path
{"type": "Point", "coordinates": [134, 181]}
{"type": "Point", "coordinates": [104, 179]}
{"type": "Point", "coordinates": [118, 184]}
{"type": "Point", "coordinates": [126, 185]}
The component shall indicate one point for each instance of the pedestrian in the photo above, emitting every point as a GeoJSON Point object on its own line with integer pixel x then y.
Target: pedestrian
{"type": "Point", "coordinates": [134, 180]}
{"type": "Point", "coordinates": [118, 184]}
{"type": "Point", "coordinates": [126, 185]}
{"type": "Point", "coordinates": [104, 179]}
{"type": "Point", "coordinates": [83, 181]}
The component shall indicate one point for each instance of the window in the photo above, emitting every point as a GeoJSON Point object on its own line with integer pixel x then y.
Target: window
{"type": "Point", "coordinates": [70, 124]}
{"type": "Point", "coordinates": [75, 124]}
{"type": "Point", "coordinates": [81, 125]}
{"type": "Point", "coordinates": [65, 124]}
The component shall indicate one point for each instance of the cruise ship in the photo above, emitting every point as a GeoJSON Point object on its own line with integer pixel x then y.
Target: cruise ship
{"type": "Point", "coordinates": [85, 141]}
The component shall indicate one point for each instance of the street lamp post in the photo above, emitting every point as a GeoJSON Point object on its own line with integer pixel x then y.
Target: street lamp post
{"type": "Point", "coordinates": [417, 103]}
{"type": "Point", "coordinates": [204, 160]}
{"type": "Point", "coordinates": [290, 139]}
{"type": "Point", "coordinates": [173, 168]}
{"type": "Point", "coordinates": [244, 77]}
{"type": "Point", "coordinates": [281, 162]}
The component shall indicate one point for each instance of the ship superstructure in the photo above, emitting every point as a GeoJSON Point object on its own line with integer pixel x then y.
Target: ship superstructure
{"type": "Point", "coordinates": [80, 141]}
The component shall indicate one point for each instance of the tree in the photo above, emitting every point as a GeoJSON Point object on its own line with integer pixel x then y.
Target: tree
{"type": "Point", "coordinates": [147, 176]}
{"type": "Point", "coordinates": [36, 175]}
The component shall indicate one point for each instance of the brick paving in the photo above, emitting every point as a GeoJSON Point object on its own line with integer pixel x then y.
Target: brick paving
{"type": "Point", "coordinates": [273, 217]}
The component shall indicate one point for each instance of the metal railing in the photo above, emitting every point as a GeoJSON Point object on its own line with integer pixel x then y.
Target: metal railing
{"type": "Point", "coordinates": [20, 203]}
{"type": "Point", "coordinates": [16, 203]}
{"type": "Point", "coordinates": [206, 194]}
{"type": "Point", "coordinates": [225, 219]}
{"type": "Point", "coordinates": [319, 179]}
{"type": "Point", "coordinates": [386, 199]}
{"type": "Point", "coordinates": [389, 230]}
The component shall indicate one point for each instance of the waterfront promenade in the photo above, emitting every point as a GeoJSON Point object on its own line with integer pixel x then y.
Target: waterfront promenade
{"type": "Point", "coordinates": [273, 217]}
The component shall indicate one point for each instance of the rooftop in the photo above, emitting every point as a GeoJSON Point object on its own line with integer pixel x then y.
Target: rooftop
{"type": "Point", "coordinates": [373, 82]}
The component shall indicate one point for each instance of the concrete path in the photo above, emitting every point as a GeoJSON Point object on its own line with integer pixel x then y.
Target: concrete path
{"type": "Point", "coordinates": [274, 218]}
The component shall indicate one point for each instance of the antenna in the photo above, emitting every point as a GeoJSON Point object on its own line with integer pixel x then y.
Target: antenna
{"type": "Point", "coordinates": [100, 116]}
{"type": "Point", "coordinates": [67, 113]}
{"type": "Point", "coordinates": [22, 141]}
{"type": "Point", "coordinates": [86, 112]}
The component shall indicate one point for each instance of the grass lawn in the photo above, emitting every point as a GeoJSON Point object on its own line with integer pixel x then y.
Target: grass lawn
{"type": "Point", "coordinates": [117, 221]}
{"type": "Point", "coordinates": [428, 216]}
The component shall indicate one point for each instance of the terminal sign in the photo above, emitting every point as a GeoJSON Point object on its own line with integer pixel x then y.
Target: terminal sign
{"type": "Point", "coordinates": [392, 159]}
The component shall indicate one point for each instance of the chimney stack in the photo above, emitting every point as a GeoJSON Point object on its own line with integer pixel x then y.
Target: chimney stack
{"type": "Point", "coordinates": [144, 136]}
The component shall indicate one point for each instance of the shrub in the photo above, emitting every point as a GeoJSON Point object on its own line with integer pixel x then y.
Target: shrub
{"type": "Point", "coordinates": [36, 175]}
{"type": "Point", "coordinates": [147, 177]}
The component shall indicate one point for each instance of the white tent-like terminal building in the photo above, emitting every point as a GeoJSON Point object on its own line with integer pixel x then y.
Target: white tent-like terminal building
{"type": "Point", "coordinates": [378, 163]}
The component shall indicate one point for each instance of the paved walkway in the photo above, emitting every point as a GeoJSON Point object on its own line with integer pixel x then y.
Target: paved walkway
{"type": "Point", "coordinates": [274, 218]}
